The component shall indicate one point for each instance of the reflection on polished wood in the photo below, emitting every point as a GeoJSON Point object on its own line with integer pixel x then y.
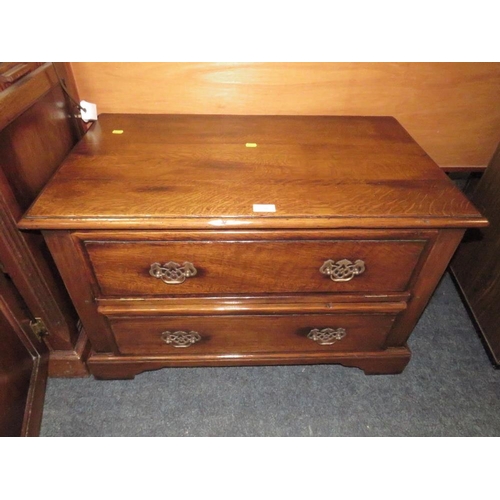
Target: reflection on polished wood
{"type": "Point", "coordinates": [195, 172]}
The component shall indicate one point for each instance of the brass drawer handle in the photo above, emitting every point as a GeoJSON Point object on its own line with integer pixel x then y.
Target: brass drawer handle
{"type": "Point", "coordinates": [173, 273]}
{"type": "Point", "coordinates": [180, 338]}
{"type": "Point", "coordinates": [342, 270]}
{"type": "Point", "coordinates": [327, 336]}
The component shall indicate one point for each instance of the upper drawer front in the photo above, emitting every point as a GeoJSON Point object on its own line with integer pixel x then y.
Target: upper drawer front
{"type": "Point", "coordinates": [138, 268]}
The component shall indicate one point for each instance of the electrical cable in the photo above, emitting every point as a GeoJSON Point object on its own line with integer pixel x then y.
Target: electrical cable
{"type": "Point", "coordinates": [66, 91]}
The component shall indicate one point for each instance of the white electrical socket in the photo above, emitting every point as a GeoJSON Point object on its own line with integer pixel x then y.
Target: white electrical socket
{"type": "Point", "coordinates": [88, 111]}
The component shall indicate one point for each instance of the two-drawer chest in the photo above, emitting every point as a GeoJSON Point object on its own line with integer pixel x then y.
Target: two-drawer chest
{"type": "Point", "coordinates": [202, 240]}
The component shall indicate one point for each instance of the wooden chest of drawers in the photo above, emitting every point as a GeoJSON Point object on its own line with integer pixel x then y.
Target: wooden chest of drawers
{"type": "Point", "coordinates": [232, 240]}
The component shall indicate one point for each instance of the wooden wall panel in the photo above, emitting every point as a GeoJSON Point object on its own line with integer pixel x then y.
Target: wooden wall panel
{"type": "Point", "coordinates": [451, 109]}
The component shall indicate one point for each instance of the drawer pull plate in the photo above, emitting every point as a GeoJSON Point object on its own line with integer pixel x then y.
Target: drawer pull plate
{"type": "Point", "coordinates": [342, 270]}
{"type": "Point", "coordinates": [172, 273]}
{"type": "Point", "coordinates": [180, 338]}
{"type": "Point", "coordinates": [326, 336]}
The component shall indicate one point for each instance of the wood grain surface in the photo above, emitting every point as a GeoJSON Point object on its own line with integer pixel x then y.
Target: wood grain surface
{"type": "Point", "coordinates": [236, 335]}
{"type": "Point", "coordinates": [252, 267]}
{"type": "Point", "coordinates": [449, 108]}
{"type": "Point", "coordinates": [195, 171]}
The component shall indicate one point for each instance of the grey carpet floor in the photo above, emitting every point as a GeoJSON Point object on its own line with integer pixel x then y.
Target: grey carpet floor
{"type": "Point", "coordinates": [450, 388]}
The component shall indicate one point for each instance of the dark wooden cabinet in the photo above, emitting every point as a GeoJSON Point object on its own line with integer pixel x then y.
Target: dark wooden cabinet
{"type": "Point", "coordinates": [39, 328]}
{"type": "Point", "coordinates": [189, 240]}
{"type": "Point", "coordinates": [476, 265]}
{"type": "Point", "coordinates": [37, 130]}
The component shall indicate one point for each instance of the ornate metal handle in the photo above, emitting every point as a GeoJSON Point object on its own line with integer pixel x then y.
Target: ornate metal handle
{"type": "Point", "coordinates": [327, 336]}
{"type": "Point", "coordinates": [180, 338]}
{"type": "Point", "coordinates": [342, 270]}
{"type": "Point", "coordinates": [173, 273]}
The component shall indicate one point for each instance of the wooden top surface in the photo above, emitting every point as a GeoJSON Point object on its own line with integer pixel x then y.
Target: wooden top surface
{"type": "Point", "coordinates": [197, 172]}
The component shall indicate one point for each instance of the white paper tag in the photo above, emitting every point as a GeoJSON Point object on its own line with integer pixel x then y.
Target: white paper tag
{"type": "Point", "coordinates": [88, 111]}
{"type": "Point", "coordinates": [257, 207]}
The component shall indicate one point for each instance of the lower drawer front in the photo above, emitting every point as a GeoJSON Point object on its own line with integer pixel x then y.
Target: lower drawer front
{"type": "Point", "coordinates": [244, 334]}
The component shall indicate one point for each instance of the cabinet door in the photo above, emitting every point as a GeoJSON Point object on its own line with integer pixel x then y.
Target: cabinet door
{"type": "Point", "coordinates": [23, 366]}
